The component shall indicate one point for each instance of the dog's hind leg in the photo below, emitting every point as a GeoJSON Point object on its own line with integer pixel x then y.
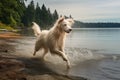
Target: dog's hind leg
{"type": "Point", "coordinates": [34, 53]}
{"type": "Point", "coordinates": [45, 52]}
{"type": "Point", "coordinates": [64, 57]}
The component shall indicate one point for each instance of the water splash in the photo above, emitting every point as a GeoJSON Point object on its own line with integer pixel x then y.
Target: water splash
{"type": "Point", "coordinates": [77, 55]}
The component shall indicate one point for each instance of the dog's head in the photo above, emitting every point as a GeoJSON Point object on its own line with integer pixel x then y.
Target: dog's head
{"type": "Point", "coordinates": [65, 24]}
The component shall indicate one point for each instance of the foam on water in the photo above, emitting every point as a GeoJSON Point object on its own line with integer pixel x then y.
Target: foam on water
{"type": "Point", "coordinates": [26, 47]}
{"type": "Point", "coordinates": [77, 55]}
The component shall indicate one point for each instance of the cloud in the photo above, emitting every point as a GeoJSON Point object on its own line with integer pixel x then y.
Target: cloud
{"type": "Point", "coordinates": [86, 10]}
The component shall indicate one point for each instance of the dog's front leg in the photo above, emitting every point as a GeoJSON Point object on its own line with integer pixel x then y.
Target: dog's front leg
{"type": "Point", "coordinates": [61, 49]}
{"type": "Point", "coordinates": [61, 46]}
{"type": "Point", "coordinates": [64, 57]}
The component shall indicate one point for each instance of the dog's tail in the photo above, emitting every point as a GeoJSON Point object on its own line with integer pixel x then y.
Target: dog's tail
{"type": "Point", "coordinates": [36, 29]}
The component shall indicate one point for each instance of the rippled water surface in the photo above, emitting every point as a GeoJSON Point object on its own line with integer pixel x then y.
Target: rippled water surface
{"type": "Point", "coordinates": [102, 61]}
{"type": "Point", "coordinates": [93, 53]}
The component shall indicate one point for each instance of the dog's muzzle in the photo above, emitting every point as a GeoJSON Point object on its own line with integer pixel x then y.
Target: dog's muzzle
{"type": "Point", "coordinates": [69, 30]}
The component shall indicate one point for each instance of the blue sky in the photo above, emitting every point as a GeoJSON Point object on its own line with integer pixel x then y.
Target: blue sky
{"type": "Point", "coordinates": [86, 10]}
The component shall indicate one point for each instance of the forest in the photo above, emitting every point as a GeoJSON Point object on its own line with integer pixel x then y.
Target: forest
{"type": "Point", "coordinates": [16, 14]}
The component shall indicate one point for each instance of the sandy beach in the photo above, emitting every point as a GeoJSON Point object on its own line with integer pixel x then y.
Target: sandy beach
{"type": "Point", "coordinates": [16, 67]}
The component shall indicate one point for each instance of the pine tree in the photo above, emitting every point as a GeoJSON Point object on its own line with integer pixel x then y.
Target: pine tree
{"type": "Point", "coordinates": [70, 16]}
{"type": "Point", "coordinates": [44, 16]}
{"type": "Point", "coordinates": [21, 10]}
{"type": "Point", "coordinates": [37, 14]}
{"type": "Point", "coordinates": [55, 16]}
{"type": "Point", "coordinates": [50, 17]}
{"type": "Point", "coordinates": [29, 15]}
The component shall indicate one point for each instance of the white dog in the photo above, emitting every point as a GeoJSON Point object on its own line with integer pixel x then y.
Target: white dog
{"type": "Point", "coordinates": [53, 40]}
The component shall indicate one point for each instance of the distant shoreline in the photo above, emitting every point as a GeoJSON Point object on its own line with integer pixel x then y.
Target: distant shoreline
{"type": "Point", "coordinates": [79, 24]}
{"type": "Point", "coordinates": [95, 28]}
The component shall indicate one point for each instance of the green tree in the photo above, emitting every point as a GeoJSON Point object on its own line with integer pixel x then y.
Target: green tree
{"type": "Point", "coordinates": [11, 12]}
{"type": "Point", "coordinates": [16, 13]}
{"type": "Point", "coordinates": [29, 15]}
{"type": "Point", "coordinates": [37, 14]}
{"type": "Point", "coordinates": [44, 16]}
{"type": "Point", "coordinates": [55, 16]}
{"type": "Point", "coordinates": [70, 16]}
{"type": "Point", "coordinates": [49, 18]}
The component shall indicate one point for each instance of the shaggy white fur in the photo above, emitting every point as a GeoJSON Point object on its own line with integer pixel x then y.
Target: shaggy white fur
{"type": "Point", "coordinates": [53, 40]}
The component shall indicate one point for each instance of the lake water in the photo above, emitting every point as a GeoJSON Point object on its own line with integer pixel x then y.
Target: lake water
{"type": "Point", "coordinates": [105, 40]}
{"type": "Point", "coordinates": [93, 53]}
{"type": "Point", "coordinates": [97, 52]}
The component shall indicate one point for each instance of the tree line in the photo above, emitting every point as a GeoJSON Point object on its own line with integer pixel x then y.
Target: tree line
{"type": "Point", "coordinates": [79, 24]}
{"type": "Point", "coordinates": [16, 14]}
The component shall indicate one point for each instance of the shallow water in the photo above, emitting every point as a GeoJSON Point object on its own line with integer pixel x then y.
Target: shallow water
{"type": "Point", "coordinates": [104, 47]}
{"type": "Point", "coordinates": [93, 53]}
{"type": "Point", "coordinates": [106, 40]}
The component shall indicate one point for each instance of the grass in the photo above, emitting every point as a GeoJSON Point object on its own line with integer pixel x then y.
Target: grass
{"type": "Point", "coordinates": [6, 27]}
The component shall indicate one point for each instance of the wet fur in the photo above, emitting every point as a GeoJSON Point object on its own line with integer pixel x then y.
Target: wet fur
{"type": "Point", "coordinates": [53, 40]}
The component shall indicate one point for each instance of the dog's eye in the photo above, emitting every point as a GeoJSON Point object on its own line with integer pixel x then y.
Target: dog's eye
{"type": "Point", "coordinates": [65, 25]}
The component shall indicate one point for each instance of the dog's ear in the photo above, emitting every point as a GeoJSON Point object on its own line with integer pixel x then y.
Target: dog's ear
{"type": "Point", "coordinates": [71, 21]}
{"type": "Point", "coordinates": [61, 19]}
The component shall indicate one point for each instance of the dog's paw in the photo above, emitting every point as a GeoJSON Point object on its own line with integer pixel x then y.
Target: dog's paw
{"type": "Point", "coordinates": [68, 67]}
{"type": "Point", "coordinates": [33, 54]}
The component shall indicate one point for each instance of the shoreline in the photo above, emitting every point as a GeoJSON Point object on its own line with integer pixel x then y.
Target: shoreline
{"type": "Point", "coordinates": [16, 67]}
{"type": "Point", "coordinates": [9, 35]}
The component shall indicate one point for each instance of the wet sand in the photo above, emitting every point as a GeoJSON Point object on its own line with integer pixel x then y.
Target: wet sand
{"type": "Point", "coordinates": [16, 67]}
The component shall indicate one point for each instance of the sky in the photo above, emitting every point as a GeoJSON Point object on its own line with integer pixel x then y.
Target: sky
{"type": "Point", "coordinates": [85, 10]}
